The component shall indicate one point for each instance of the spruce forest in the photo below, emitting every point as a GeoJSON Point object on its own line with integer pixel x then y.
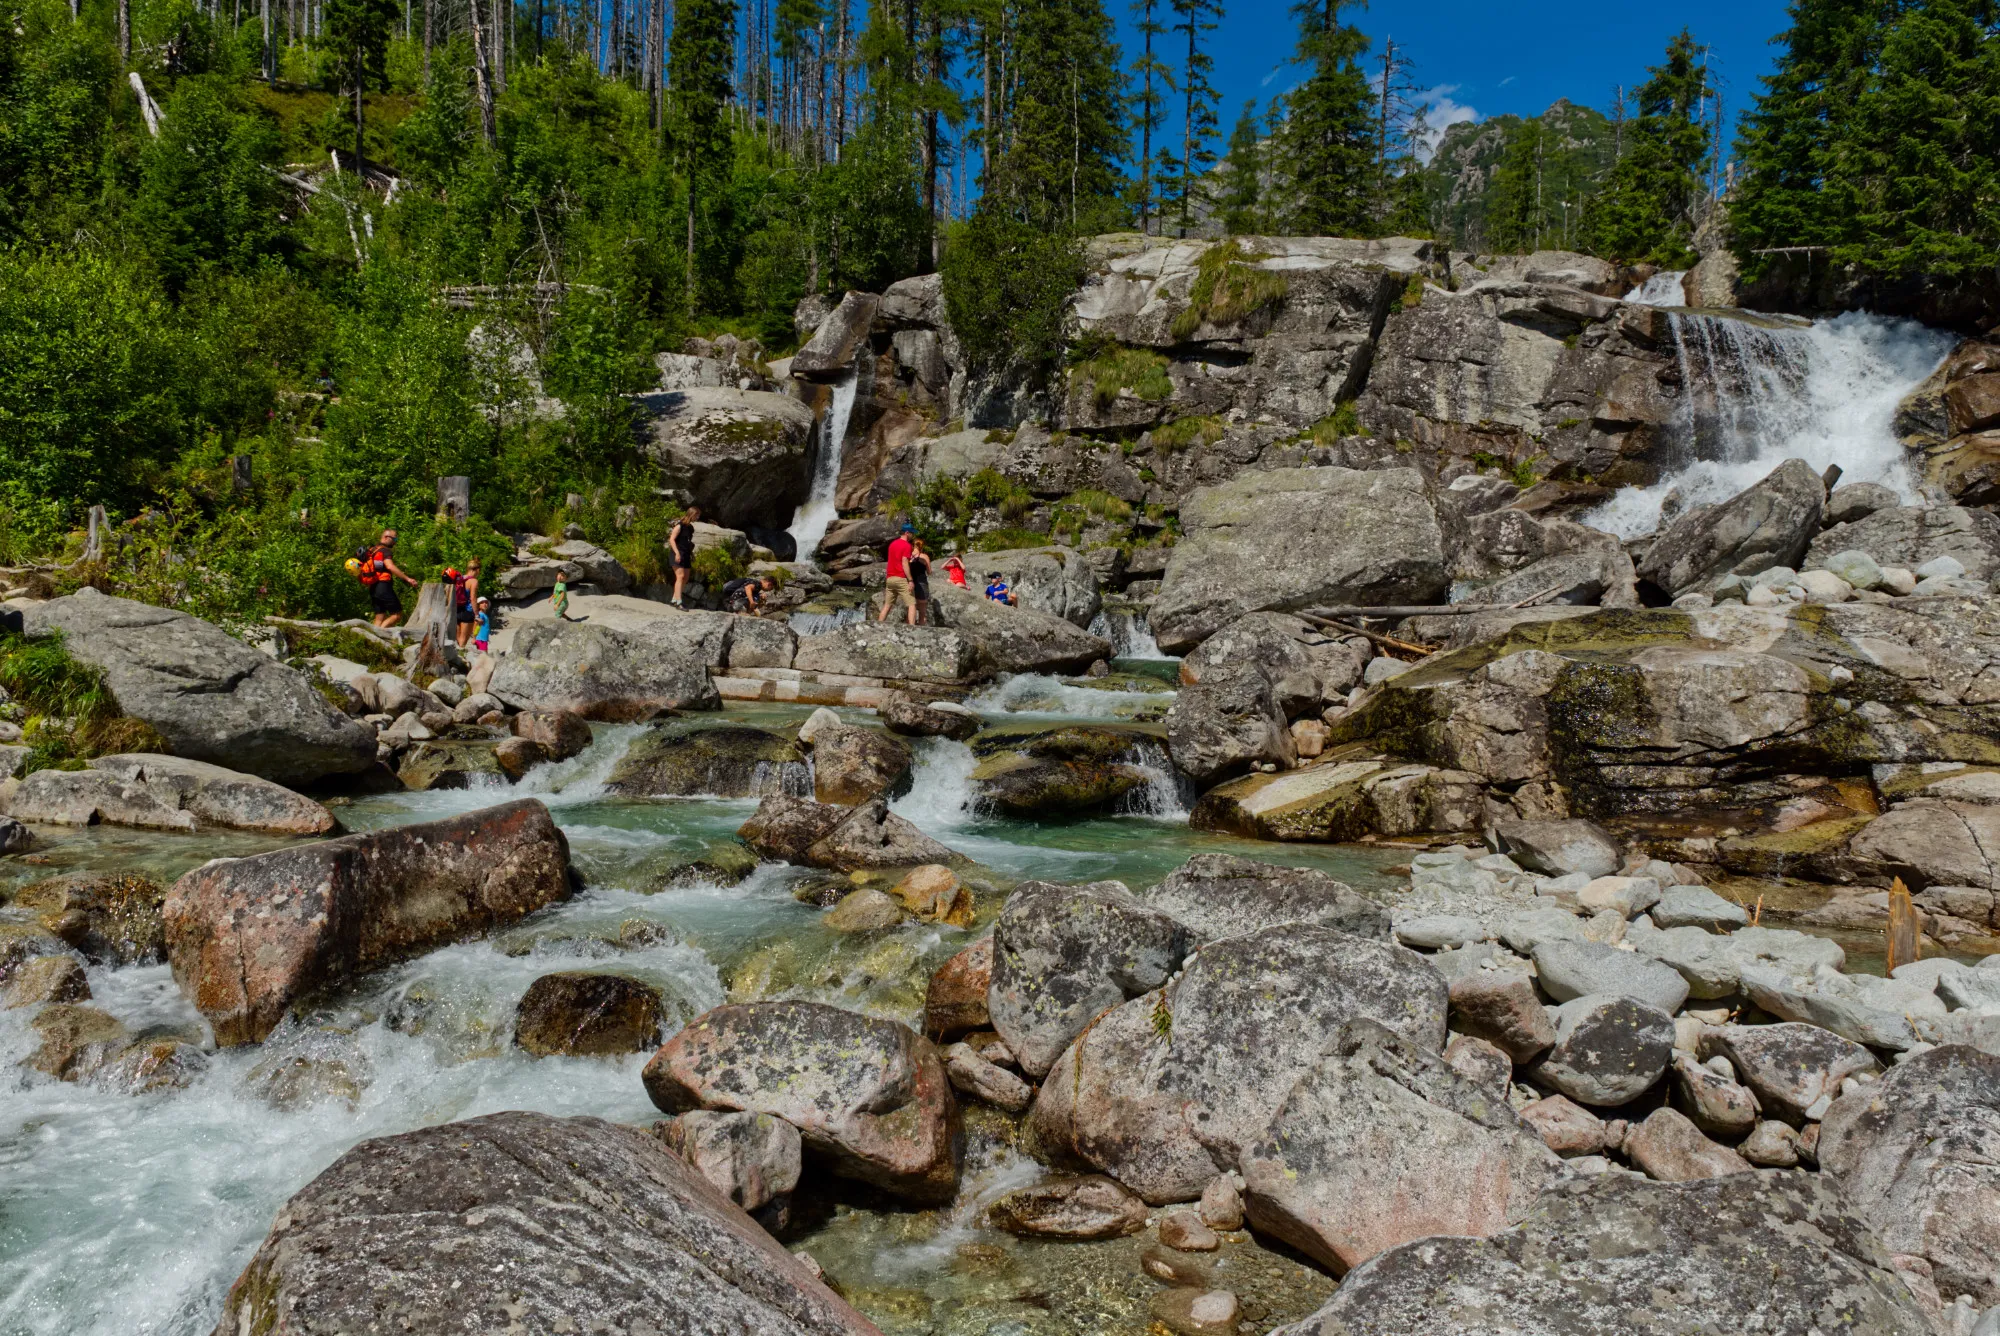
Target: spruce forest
{"type": "Point", "coordinates": [267, 229]}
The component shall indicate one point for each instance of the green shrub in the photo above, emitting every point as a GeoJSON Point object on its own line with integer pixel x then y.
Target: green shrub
{"type": "Point", "coordinates": [343, 642]}
{"type": "Point", "coordinates": [1112, 367]}
{"type": "Point", "coordinates": [1173, 437]}
{"type": "Point", "coordinates": [717, 566]}
{"type": "Point", "coordinates": [1227, 290]}
{"type": "Point", "coordinates": [71, 714]}
{"type": "Point", "coordinates": [1004, 540]}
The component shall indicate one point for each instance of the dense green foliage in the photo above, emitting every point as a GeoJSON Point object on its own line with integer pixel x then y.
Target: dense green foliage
{"type": "Point", "coordinates": [1651, 204]}
{"type": "Point", "coordinates": [1877, 138]}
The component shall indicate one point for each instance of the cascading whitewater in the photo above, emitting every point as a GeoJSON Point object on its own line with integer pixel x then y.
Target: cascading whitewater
{"type": "Point", "coordinates": [1127, 630]}
{"type": "Point", "coordinates": [819, 623]}
{"type": "Point", "coordinates": [810, 524]}
{"type": "Point", "coordinates": [1662, 289]}
{"type": "Point", "coordinates": [1759, 391]}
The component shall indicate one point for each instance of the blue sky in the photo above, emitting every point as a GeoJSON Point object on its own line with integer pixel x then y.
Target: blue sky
{"type": "Point", "coordinates": [1486, 59]}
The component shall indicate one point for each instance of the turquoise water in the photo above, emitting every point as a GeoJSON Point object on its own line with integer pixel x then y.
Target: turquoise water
{"type": "Point", "coordinates": [124, 1214]}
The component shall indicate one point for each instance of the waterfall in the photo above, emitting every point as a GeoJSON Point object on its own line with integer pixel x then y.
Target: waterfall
{"type": "Point", "coordinates": [1662, 289]}
{"type": "Point", "coordinates": [1755, 395]}
{"type": "Point", "coordinates": [819, 623]}
{"type": "Point", "coordinates": [1126, 629]}
{"type": "Point", "coordinates": [809, 525]}
{"type": "Point", "coordinates": [1164, 794]}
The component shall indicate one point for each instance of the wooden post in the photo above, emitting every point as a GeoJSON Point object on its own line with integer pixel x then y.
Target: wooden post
{"type": "Point", "coordinates": [436, 620]}
{"type": "Point", "coordinates": [93, 543]}
{"type": "Point", "coordinates": [1905, 930]}
{"type": "Point", "coordinates": [454, 498]}
{"type": "Point", "coordinates": [239, 472]}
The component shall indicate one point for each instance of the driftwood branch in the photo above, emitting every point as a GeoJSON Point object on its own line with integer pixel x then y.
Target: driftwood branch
{"type": "Point", "coordinates": [1376, 636]}
{"type": "Point", "coordinates": [147, 107]}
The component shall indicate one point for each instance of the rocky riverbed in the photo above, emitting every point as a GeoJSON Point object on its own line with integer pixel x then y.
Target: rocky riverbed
{"type": "Point", "coordinates": [1587, 895]}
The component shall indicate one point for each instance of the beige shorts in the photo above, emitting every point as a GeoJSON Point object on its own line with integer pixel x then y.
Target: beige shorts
{"type": "Point", "coordinates": [899, 588]}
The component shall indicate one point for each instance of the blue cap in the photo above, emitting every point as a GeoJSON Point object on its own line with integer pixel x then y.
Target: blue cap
{"type": "Point", "coordinates": [909, 528]}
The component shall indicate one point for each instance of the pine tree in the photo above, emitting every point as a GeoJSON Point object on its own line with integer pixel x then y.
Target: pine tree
{"type": "Point", "coordinates": [1787, 145]}
{"type": "Point", "coordinates": [700, 58]}
{"type": "Point", "coordinates": [1327, 149]}
{"type": "Point", "coordinates": [1065, 120]}
{"type": "Point", "coordinates": [1919, 174]}
{"type": "Point", "coordinates": [1193, 19]}
{"type": "Point", "coordinates": [1646, 211]}
{"type": "Point", "coordinates": [1155, 78]}
{"type": "Point", "coordinates": [357, 37]}
{"type": "Point", "coordinates": [1240, 193]}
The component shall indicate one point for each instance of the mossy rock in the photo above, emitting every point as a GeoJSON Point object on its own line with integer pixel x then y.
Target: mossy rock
{"type": "Point", "coordinates": [695, 759]}
{"type": "Point", "coordinates": [1074, 768]}
{"type": "Point", "coordinates": [450, 763]}
{"type": "Point", "coordinates": [720, 863]}
{"type": "Point", "coordinates": [112, 919]}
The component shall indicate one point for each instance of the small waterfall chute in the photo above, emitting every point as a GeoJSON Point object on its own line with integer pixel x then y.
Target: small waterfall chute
{"type": "Point", "coordinates": [1130, 635]}
{"type": "Point", "coordinates": [819, 623]}
{"type": "Point", "coordinates": [810, 524]}
{"type": "Point", "coordinates": [1662, 289]}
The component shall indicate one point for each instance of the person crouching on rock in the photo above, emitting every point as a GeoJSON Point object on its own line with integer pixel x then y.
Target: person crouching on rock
{"type": "Point", "coordinates": [898, 576]}
{"type": "Point", "coordinates": [380, 572]}
{"type": "Point", "coordinates": [680, 548]}
{"type": "Point", "coordinates": [747, 595]}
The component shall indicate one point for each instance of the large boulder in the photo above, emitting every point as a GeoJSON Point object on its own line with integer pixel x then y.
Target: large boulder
{"type": "Point", "coordinates": [1770, 1253]}
{"type": "Point", "coordinates": [1221, 895]}
{"type": "Point", "coordinates": [1014, 639]}
{"type": "Point", "coordinates": [602, 673]}
{"type": "Point", "coordinates": [742, 455]}
{"type": "Point", "coordinates": [1062, 954]}
{"type": "Point", "coordinates": [1297, 538]}
{"type": "Point", "coordinates": [1058, 581]}
{"type": "Point", "coordinates": [1794, 1069]}
{"type": "Point", "coordinates": [1665, 711]}
{"type": "Point", "coordinates": [212, 697]}
{"type": "Point", "coordinates": [894, 650]}
{"type": "Point", "coordinates": [852, 765]}
{"type": "Point", "coordinates": [1173, 1085]}
{"type": "Point", "coordinates": [1382, 1143]}
{"type": "Point", "coordinates": [1305, 664]}
{"type": "Point", "coordinates": [869, 1097]}
{"type": "Point", "coordinates": [576, 1223]}
{"type": "Point", "coordinates": [840, 839]}
{"type": "Point", "coordinates": [581, 1013]}
{"type": "Point", "coordinates": [1342, 801]}
{"type": "Point", "coordinates": [716, 760]}
{"type": "Point", "coordinates": [1911, 536]}
{"type": "Point", "coordinates": [1230, 720]}
{"type": "Point", "coordinates": [831, 349]}
{"type": "Point", "coordinates": [1917, 1157]}
{"type": "Point", "coordinates": [248, 936]}
{"type": "Point", "coordinates": [171, 792]}
{"type": "Point", "coordinates": [1041, 771]}
{"type": "Point", "coordinates": [112, 919]}
{"type": "Point", "coordinates": [1770, 523]}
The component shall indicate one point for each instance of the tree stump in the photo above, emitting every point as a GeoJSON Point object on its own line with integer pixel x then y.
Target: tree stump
{"type": "Point", "coordinates": [436, 620]}
{"type": "Point", "coordinates": [454, 498]}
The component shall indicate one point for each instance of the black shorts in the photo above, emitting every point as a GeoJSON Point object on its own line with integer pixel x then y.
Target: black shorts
{"type": "Point", "coordinates": [683, 563]}
{"type": "Point", "coordinates": [382, 597]}
{"type": "Point", "coordinates": [467, 616]}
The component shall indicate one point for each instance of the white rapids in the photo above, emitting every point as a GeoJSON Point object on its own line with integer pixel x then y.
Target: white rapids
{"type": "Point", "coordinates": [810, 524]}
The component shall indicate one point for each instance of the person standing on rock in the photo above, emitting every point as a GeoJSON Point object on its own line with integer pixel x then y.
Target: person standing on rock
{"type": "Point", "coordinates": [680, 548]}
{"type": "Point", "coordinates": [920, 581]}
{"type": "Point", "coordinates": [898, 576]}
{"type": "Point", "coordinates": [465, 599]}
{"type": "Point", "coordinates": [380, 572]}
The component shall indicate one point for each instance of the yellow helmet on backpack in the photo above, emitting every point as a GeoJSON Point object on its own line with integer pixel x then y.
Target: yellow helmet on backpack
{"type": "Point", "coordinates": [354, 565]}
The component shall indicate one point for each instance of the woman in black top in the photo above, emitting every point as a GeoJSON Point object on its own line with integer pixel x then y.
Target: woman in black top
{"type": "Point", "coordinates": [680, 549]}
{"type": "Point", "coordinates": [920, 579]}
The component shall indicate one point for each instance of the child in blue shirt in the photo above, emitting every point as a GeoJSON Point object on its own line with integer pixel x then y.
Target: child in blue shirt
{"type": "Point", "coordinates": [482, 629]}
{"type": "Point", "coordinates": [997, 590]}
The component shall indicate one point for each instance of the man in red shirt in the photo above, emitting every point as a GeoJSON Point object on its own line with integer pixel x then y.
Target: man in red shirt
{"type": "Point", "coordinates": [899, 578]}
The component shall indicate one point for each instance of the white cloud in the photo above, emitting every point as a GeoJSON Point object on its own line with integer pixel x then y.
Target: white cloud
{"type": "Point", "coordinates": [1440, 113]}
{"type": "Point", "coordinates": [1276, 70]}
{"type": "Point", "coordinates": [1509, 79]}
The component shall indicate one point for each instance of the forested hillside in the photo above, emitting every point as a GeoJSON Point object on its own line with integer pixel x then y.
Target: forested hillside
{"type": "Point", "coordinates": [267, 231]}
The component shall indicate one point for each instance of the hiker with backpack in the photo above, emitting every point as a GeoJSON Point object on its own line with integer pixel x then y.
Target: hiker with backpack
{"type": "Point", "coordinates": [378, 573]}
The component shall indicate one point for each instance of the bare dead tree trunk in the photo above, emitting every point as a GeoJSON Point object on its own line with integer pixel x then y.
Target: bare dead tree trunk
{"type": "Point", "coordinates": [480, 77]}
{"type": "Point", "coordinates": [125, 32]}
{"type": "Point", "coordinates": [435, 619]}
{"type": "Point", "coordinates": [454, 497]}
